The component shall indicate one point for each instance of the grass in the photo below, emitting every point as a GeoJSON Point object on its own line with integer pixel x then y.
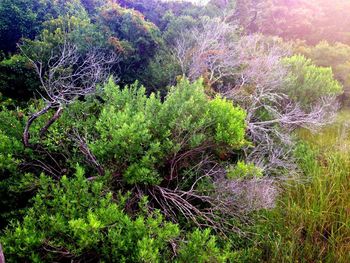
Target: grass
{"type": "Point", "coordinates": [312, 221]}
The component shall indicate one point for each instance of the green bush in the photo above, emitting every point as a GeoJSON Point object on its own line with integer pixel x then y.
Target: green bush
{"type": "Point", "coordinates": [202, 247]}
{"type": "Point", "coordinates": [244, 170]}
{"type": "Point", "coordinates": [138, 134]}
{"type": "Point", "coordinates": [13, 183]}
{"type": "Point", "coordinates": [336, 56]}
{"type": "Point", "coordinates": [10, 140]}
{"type": "Point", "coordinates": [76, 218]}
{"type": "Point", "coordinates": [306, 83]}
{"type": "Point", "coordinates": [17, 78]}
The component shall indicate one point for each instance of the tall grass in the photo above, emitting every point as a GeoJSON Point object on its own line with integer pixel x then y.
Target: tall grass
{"type": "Point", "coordinates": [312, 220]}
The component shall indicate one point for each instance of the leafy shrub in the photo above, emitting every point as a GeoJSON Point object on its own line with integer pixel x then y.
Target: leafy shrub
{"type": "Point", "coordinates": [17, 19]}
{"type": "Point", "coordinates": [13, 183]}
{"type": "Point", "coordinates": [228, 122]}
{"type": "Point", "coordinates": [76, 218]}
{"type": "Point", "coordinates": [128, 29]}
{"type": "Point", "coordinates": [243, 170]}
{"type": "Point", "coordinates": [10, 143]}
{"type": "Point", "coordinates": [202, 247]}
{"type": "Point", "coordinates": [161, 71]}
{"type": "Point", "coordinates": [336, 56]}
{"type": "Point", "coordinates": [138, 134]}
{"type": "Point", "coordinates": [17, 78]}
{"type": "Point", "coordinates": [306, 83]}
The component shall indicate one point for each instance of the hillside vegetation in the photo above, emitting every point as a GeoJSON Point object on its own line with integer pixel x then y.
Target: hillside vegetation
{"type": "Point", "coordinates": [168, 131]}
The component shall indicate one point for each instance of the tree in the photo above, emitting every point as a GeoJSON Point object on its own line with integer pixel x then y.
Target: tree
{"type": "Point", "coordinates": [65, 77]}
{"type": "Point", "coordinates": [275, 91]}
{"type": "Point", "coordinates": [17, 19]}
{"type": "Point", "coordinates": [25, 18]}
{"type": "Point", "coordinates": [17, 78]}
{"type": "Point", "coordinates": [130, 34]}
{"type": "Point", "coordinates": [312, 21]}
{"type": "Point", "coordinates": [336, 56]}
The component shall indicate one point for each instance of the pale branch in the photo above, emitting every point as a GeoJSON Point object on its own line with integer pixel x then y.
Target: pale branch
{"type": "Point", "coordinates": [66, 76]}
{"type": "Point", "coordinates": [204, 51]}
{"type": "Point", "coordinates": [202, 208]}
{"type": "Point", "coordinates": [174, 203]}
{"type": "Point", "coordinates": [89, 156]}
{"type": "Point", "coordinates": [250, 72]}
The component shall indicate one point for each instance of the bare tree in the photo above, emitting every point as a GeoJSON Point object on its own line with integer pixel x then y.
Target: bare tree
{"type": "Point", "coordinates": [259, 88]}
{"type": "Point", "coordinates": [207, 51]}
{"type": "Point", "coordinates": [66, 76]}
{"type": "Point", "coordinates": [249, 71]}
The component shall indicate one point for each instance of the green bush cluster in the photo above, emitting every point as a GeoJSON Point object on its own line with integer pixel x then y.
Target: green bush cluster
{"type": "Point", "coordinates": [138, 134]}
{"type": "Point", "coordinates": [135, 173]}
{"type": "Point", "coordinates": [244, 170]}
{"type": "Point", "coordinates": [306, 82]}
{"type": "Point", "coordinates": [17, 78]}
{"type": "Point", "coordinates": [130, 134]}
{"type": "Point", "coordinates": [79, 219]}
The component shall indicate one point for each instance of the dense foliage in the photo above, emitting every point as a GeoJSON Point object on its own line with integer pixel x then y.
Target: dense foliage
{"type": "Point", "coordinates": [78, 220]}
{"type": "Point", "coordinates": [306, 83]}
{"type": "Point", "coordinates": [168, 131]}
{"type": "Point", "coordinates": [312, 21]}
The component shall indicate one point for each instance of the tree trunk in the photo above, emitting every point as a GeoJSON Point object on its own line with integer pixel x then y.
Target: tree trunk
{"type": "Point", "coordinates": [51, 121]}
{"type": "Point", "coordinates": [26, 134]}
{"type": "Point", "coordinates": [2, 257]}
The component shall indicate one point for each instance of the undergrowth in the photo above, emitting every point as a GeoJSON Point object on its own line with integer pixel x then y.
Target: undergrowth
{"type": "Point", "coordinates": [311, 222]}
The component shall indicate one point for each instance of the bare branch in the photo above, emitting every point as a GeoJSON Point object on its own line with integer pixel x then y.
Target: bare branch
{"type": "Point", "coordinates": [207, 51]}
{"type": "Point", "coordinates": [249, 71]}
{"type": "Point", "coordinates": [26, 134]}
{"type": "Point", "coordinates": [51, 121]}
{"type": "Point", "coordinates": [66, 76]}
{"type": "Point", "coordinates": [89, 156]}
{"type": "Point", "coordinates": [259, 89]}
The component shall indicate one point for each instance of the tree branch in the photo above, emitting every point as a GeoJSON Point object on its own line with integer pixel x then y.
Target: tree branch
{"type": "Point", "coordinates": [54, 118]}
{"type": "Point", "coordinates": [32, 118]}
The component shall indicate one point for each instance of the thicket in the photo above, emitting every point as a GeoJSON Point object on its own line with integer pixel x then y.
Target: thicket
{"type": "Point", "coordinates": [150, 131]}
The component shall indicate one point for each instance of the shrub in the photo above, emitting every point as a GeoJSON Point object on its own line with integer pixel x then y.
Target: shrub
{"type": "Point", "coordinates": [202, 247]}
{"type": "Point", "coordinates": [76, 218]}
{"type": "Point", "coordinates": [12, 182]}
{"type": "Point", "coordinates": [138, 134]}
{"type": "Point", "coordinates": [17, 78]}
{"type": "Point", "coordinates": [244, 170]}
{"type": "Point", "coordinates": [306, 83]}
